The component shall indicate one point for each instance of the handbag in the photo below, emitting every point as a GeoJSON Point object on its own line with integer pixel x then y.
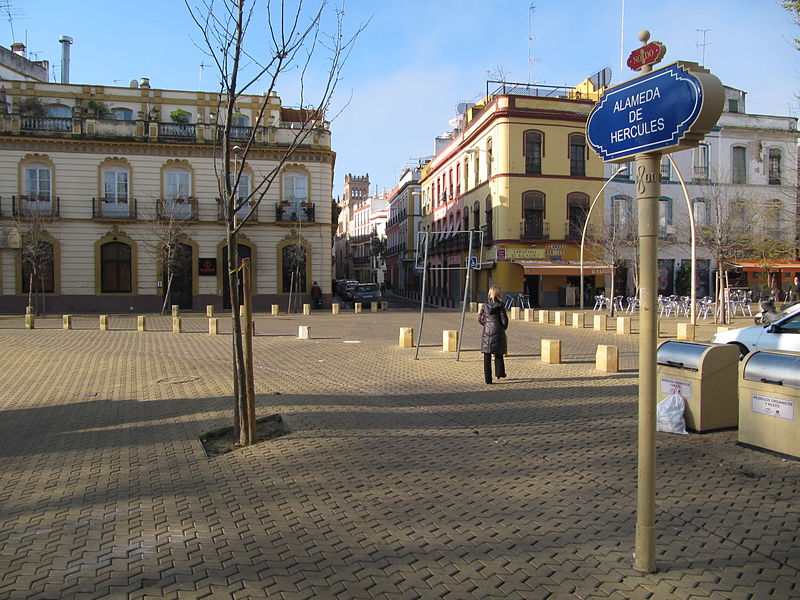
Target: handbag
{"type": "Point", "coordinates": [482, 318]}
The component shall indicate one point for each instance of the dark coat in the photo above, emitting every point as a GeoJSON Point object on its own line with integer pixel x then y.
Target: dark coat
{"type": "Point", "coordinates": [495, 323]}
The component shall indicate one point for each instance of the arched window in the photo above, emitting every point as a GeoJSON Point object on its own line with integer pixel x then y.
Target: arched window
{"type": "Point", "coordinates": [115, 268]}
{"type": "Point", "coordinates": [533, 215]}
{"type": "Point", "coordinates": [577, 210]}
{"type": "Point", "coordinates": [122, 114]}
{"type": "Point", "coordinates": [38, 267]}
{"type": "Point", "coordinates": [533, 153]}
{"type": "Point", "coordinates": [489, 216]}
{"type": "Point", "coordinates": [476, 215]}
{"type": "Point", "coordinates": [577, 155]}
{"type": "Point", "coordinates": [489, 157]}
{"type": "Point", "coordinates": [59, 111]}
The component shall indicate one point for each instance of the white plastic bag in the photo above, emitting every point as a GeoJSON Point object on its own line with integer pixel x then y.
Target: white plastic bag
{"type": "Point", "coordinates": [670, 415]}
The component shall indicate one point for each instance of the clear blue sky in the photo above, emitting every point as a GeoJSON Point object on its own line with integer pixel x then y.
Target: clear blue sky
{"type": "Point", "coordinates": [417, 60]}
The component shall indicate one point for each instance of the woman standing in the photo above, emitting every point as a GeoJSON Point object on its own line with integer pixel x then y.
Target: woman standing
{"type": "Point", "coordinates": [494, 319]}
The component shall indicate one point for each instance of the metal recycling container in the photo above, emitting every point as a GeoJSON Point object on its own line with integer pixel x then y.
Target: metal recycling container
{"type": "Point", "coordinates": [705, 375]}
{"type": "Point", "coordinates": [769, 401]}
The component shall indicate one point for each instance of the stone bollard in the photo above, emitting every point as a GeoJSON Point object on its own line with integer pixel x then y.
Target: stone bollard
{"type": "Point", "coordinates": [335, 308]}
{"type": "Point", "coordinates": [357, 307]}
{"type": "Point", "coordinates": [213, 326]}
{"type": "Point", "coordinates": [176, 324]}
{"type": "Point", "coordinates": [551, 352]}
{"type": "Point", "coordinates": [67, 321]}
{"type": "Point", "coordinates": [578, 320]}
{"type": "Point", "coordinates": [406, 337]}
{"type": "Point", "coordinates": [685, 331]}
{"type": "Point", "coordinates": [210, 311]}
{"type": "Point", "coordinates": [449, 340]}
{"type": "Point", "coordinates": [306, 309]}
{"type": "Point", "coordinates": [473, 307]}
{"type": "Point", "coordinates": [176, 310]}
{"type": "Point", "coordinates": [385, 305]}
{"type": "Point", "coordinates": [560, 317]}
{"type": "Point", "coordinates": [103, 322]}
{"type": "Point", "coordinates": [607, 359]}
{"type": "Point", "coordinates": [480, 306]}
{"type": "Point", "coordinates": [241, 310]}
{"type": "Point", "coordinates": [373, 306]}
{"type": "Point", "coordinates": [623, 325]}
{"type": "Point", "coordinates": [29, 321]}
{"type": "Point", "coordinates": [140, 323]}
{"type": "Point", "coordinates": [530, 315]}
{"type": "Point", "coordinates": [304, 332]}
{"type": "Point", "coordinates": [276, 310]}
{"type": "Point", "coordinates": [513, 314]}
{"type": "Point", "coordinates": [720, 329]}
{"type": "Point", "coordinates": [544, 316]}
{"type": "Point", "coordinates": [600, 323]}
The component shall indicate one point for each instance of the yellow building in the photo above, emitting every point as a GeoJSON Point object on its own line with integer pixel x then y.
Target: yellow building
{"type": "Point", "coordinates": [100, 174]}
{"type": "Point", "coordinates": [519, 170]}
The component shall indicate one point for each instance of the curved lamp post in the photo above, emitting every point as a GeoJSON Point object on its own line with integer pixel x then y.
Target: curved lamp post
{"type": "Point", "coordinates": [693, 318]}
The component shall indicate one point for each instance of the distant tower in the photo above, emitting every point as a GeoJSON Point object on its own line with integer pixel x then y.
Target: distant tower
{"type": "Point", "coordinates": [356, 189]}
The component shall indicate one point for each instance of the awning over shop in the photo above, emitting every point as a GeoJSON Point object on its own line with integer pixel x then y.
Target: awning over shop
{"type": "Point", "coordinates": [567, 267]}
{"type": "Point", "coordinates": [786, 266]}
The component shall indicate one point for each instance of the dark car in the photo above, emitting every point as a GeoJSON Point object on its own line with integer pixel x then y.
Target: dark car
{"type": "Point", "coordinates": [367, 293]}
{"type": "Point", "coordinates": [348, 289]}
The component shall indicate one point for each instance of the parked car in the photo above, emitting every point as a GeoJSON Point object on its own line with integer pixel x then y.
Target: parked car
{"type": "Point", "coordinates": [347, 291]}
{"type": "Point", "coordinates": [783, 334]}
{"type": "Point", "coordinates": [367, 292]}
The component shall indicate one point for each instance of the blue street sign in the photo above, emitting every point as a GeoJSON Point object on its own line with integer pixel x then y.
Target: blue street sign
{"type": "Point", "coordinates": [472, 262]}
{"type": "Point", "coordinates": [668, 109]}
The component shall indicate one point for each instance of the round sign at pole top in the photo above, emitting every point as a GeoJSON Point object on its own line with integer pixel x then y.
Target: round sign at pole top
{"type": "Point", "coordinates": [665, 110]}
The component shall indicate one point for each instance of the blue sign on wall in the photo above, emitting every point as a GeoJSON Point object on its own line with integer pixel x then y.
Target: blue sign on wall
{"type": "Point", "coordinates": [652, 112]}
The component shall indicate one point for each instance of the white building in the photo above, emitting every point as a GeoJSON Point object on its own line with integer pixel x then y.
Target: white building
{"type": "Point", "coordinates": [745, 171]}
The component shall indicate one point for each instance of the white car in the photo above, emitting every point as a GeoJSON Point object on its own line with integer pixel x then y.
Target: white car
{"type": "Point", "coordinates": [783, 334]}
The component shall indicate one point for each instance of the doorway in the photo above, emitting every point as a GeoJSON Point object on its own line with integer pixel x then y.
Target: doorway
{"type": "Point", "coordinates": [178, 261]}
{"type": "Point", "coordinates": [533, 284]}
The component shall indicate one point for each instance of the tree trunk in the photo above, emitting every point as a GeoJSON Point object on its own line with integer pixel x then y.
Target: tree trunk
{"type": "Point", "coordinates": [167, 293]}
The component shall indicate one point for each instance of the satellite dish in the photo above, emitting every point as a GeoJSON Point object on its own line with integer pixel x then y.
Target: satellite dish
{"type": "Point", "coordinates": [134, 84]}
{"type": "Point", "coordinates": [601, 79]}
{"type": "Point", "coordinates": [461, 108]}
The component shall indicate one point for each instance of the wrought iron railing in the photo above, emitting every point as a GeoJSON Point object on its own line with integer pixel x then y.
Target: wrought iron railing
{"type": "Point", "coordinates": [177, 209]}
{"type": "Point", "coordinates": [109, 208]}
{"type": "Point", "coordinates": [35, 206]}
{"type": "Point", "coordinates": [177, 130]}
{"type": "Point", "coordinates": [62, 124]}
{"type": "Point", "coordinates": [295, 211]}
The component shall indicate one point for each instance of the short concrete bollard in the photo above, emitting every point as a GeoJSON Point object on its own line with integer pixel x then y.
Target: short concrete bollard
{"type": "Point", "coordinates": [276, 310]}
{"type": "Point", "coordinates": [449, 340]}
{"type": "Point", "coordinates": [560, 317]}
{"type": "Point", "coordinates": [600, 323]}
{"type": "Point", "coordinates": [335, 308]}
{"type": "Point", "coordinates": [623, 325]}
{"type": "Point", "coordinates": [544, 316]}
{"type": "Point", "coordinates": [176, 324]}
{"type": "Point", "coordinates": [480, 306]}
{"type": "Point", "coordinates": [306, 309]}
{"type": "Point", "coordinates": [406, 337]}
{"type": "Point", "coordinates": [473, 307]}
{"type": "Point", "coordinates": [66, 321]}
{"type": "Point", "coordinates": [29, 321]}
{"type": "Point", "coordinates": [357, 307]}
{"type": "Point", "coordinates": [103, 322]}
{"type": "Point", "coordinates": [530, 315]}
{"type": "Point", "coordinates": [140, 323]}
{"type": "Point", "coordinates": [213, 326]}
{"type": "Point", "coordinates": [607, 359]}
{"type": "Point", "coordinates": [551, 352]}
{"type": "Point", "coordinates": [373, 306]}
{"type": "Point", "coordinates": [720, 329]}
{"type": "Point", "coordinates": [210, 311]}
{"type": "Point", "coordinates": [513, 314]}
{"type": "Point", "coordinates": [304, 332]}
{"type": "Point", "coordinates": [685, 331]}
{"type": "Point", "coordinates": [578, 320]}
{"type": "Point", "coordinates": [385, 305]}
{"type": "Point", "coordinates": [176, 310]}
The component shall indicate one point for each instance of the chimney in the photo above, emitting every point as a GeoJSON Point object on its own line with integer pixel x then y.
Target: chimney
{"type": "Point", "coordinates": [18, 48]}
{"type": "Point", "coordinates": [65, 43]}
{"type": "Point", "coordinates": [144, 82]}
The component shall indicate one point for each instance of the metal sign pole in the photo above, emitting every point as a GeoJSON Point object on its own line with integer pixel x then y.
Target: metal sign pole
{"type": "Point", "coordinates": [648, 193]}
{"type": "Point", "coordinates": [422, 300]}
{"type": "Point", "coordinates": [466, 296]}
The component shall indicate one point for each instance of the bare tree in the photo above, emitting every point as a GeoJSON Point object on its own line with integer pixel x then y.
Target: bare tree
{"type": "Point", "coordinates": [36, 235]}
{"type": "Point", "coordinates": [248, 49]}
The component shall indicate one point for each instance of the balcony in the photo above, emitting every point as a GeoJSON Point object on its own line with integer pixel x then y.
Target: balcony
{"type": "Point", "coordinates": [32, 207]}
{"type": "Point", "coordinates": [176, 209]}
{"type": "Point", "coordinates": [535, 231]}
{"type": "Point", "coordinates": [244, 209]}
{"type": "Point", "coordinates": [177, 131]}
{"type": "Point", "coordinates": [487, 233]}
{"type": "Point", "coordinates": [301, 212]}
{"type": "Point", "coordinates": [241, 133]}
{"type": "Point", "coordinates": [52, 124]}
{"type": "Point", "coordinates": [361, 260]}
{"type": "Point", "coordinates": [107, 208]}
{"type": "Point", "coordinates": [700, 174]}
